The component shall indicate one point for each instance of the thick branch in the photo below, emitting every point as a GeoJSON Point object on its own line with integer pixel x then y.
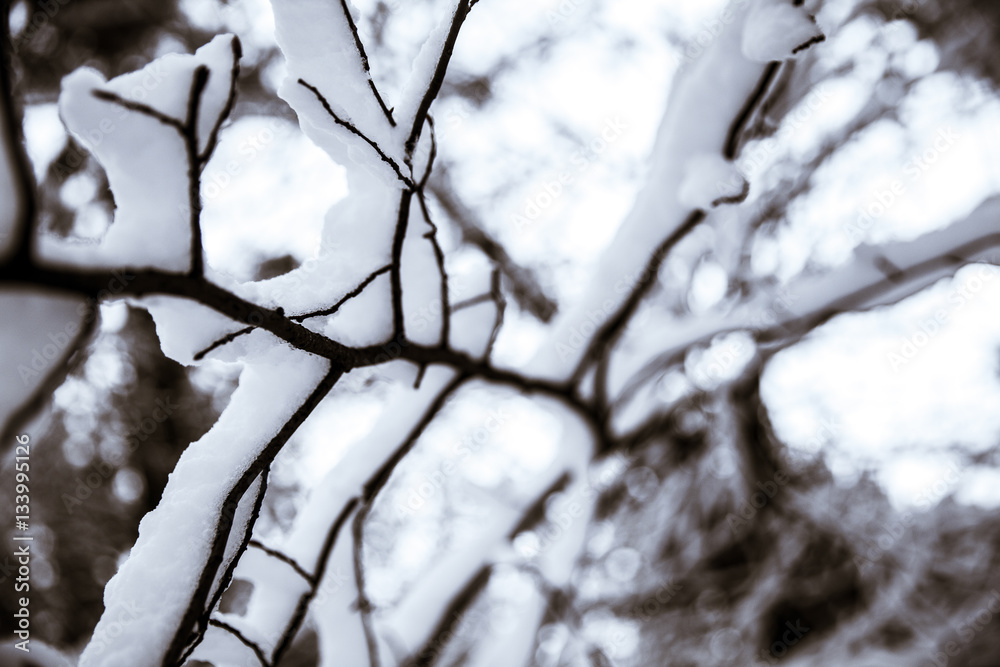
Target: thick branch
{"type": "Point", "coordinates": [197, 605]}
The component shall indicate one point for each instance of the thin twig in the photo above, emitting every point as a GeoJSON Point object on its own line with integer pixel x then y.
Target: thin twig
{"type": "Point", "coordinates": [190, 134]}
{"type": "Point", "coordinates": [234, 73]}
{"type": "Point", "coordinates": [253, 646]}
{"type": "Point", "coordinates": [299, 615]}
{"type": "Point", "coordinates": [344, 299]}
{"type": "Point", "coordinates": [485, 297]}
{"type": "Point", "coordinates": [358, 133]}
{"type": "Point", "coordinates": [139, 107]}
{"type": "Point", "coordinates": [524, 285]}
{"type": "Point", "coordinates": [446, 627]}
{"type": "Point", "coordinates": [364, 604]}
{"type": "Point", "coordinates": [227, 575]}
{"type": "Point", "coordinates": [364, 62]}
{"type": "Point", "coordinates": [496, 294]}
{"type": "Point", "coordinates": [431, 236]}
{"type": "Point", "coordinates": [284, 558]}
{"type": "Point", "coordinates": [228, 338]}
{"type": "Point", "coordinates": [434, 86]}
{"type": "Point", "coordinates": [598, 348]}
{"type": "Point", "coordinates": [732, 145]}
{"type": "Point", "coordinates": [395, 272]}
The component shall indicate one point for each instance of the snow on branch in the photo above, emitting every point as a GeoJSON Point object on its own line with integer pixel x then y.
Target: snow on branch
{"type": "Point", "coordinates": [171, 588]}
{"type": "Point", "coordinates": [778, 30]}
{"type": "Point", "coordinates": [153, 132]}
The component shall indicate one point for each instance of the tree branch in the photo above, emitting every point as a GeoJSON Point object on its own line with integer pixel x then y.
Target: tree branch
{"type": "Point", "coordinates": [458, 18]}
{"type": "Point", "coordinates": [195, 613]}
{"type": "Point", "coordinates": [243, 640]}
{"type": "Point", "coordinates": [364, 61]}
{"type": "Point", "coordinates": [358, 133]}
{"type": "Point", "coordinates": [234, 73]}
{"type": "Point", "coordinates": [524, 285]}
{"type": "Point", "coordinates": [364, 604]}
{"type": "Point", "coordinates": [284, 558]}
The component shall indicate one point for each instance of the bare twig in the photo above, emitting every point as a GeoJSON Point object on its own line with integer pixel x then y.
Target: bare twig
{"type": "Point", "coordinates": [299, 615]}
{"type": "Point", "coordinates": [364, 61]}
{"type": "Point", "coordinates": [284, 558]}
{"type": "Point", "coordinates": [358, 133]}
{"type": "Point", "coordinates": [364, 604]}
{"type": "Point", "coordinates": [434, 86]}
{"type": "Point", "coordinates": [496, 294]}
{"type": "Point", "coordinates": [253, 646]}
{"type": "Point", "coordinates": [344, 299]}
{"type": "Point", "coordinates": [431, 237]}
{"type": "Point", "coordinates": [140, 108]}
{"type": "Point", "coordinates": [234, 73]}
{"type": "Point", "coordinates": [190, 134]}
{"type": "Point", "coordinates": [459, 605]}
{"type": "Point", "coordinates": [732, 145]}
{"type": "Point", "coordinates": [524, 285]}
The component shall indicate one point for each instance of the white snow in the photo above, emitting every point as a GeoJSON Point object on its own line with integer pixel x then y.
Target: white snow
{"type": "Point", "coordinates": [315, 37]}
{"type": "Point", "coordinates": [706, 96]}
{"type": "Point", "coordinates": [44, 136]}
{"type": "Point", "coordinates": [186, 327]}
{"type": "Point", "coordinates": [356, 241]}
{"type": "Point", "coordinates": [423, 308]}
{"type": "Point", "coordinates": [777, 30]}
{"type": "Point", "coordinates": [144, 159]}
{"type": "Point", "coordinates": [273, 602]}
{"type": "Point", "coordinates": [422, 72]}
{"type": "Point", "coordinates": [265, 193]}
{"type": "Point", "coordinates": [471, 328]}
{"type": "Point", "coordinates": [158, 577]}
{"type": "Point", "coordinates": [364, 320]}
{"type": "Point", "coordinates": [709, 180]}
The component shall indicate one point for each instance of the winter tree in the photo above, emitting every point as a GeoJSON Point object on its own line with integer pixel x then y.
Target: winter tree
{"type": "Point", "coordinates": [452, 407]}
